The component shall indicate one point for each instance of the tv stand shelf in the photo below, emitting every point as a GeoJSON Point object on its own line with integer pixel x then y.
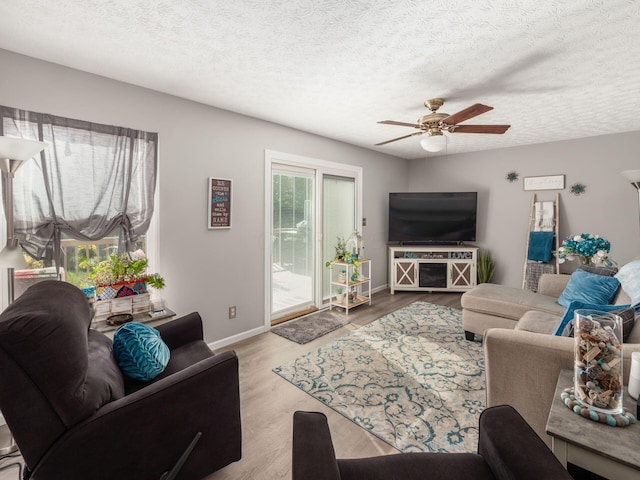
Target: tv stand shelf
{"type": "Point", "coordinates": [432, 268]}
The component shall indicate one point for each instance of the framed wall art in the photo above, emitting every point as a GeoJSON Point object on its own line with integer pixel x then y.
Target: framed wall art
{"type": "Point", "coordinates": [547, 182]}
{"type": "Point", "coordinates": [219, 203]}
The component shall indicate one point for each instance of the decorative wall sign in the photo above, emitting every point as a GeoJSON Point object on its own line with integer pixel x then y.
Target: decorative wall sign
{"type": "Point", "coordinates": [219, 203]}
{"type": "Point", "coordinates": [548, 182]}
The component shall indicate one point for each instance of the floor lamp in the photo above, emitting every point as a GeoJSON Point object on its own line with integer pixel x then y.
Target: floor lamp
{"type": "Point", "coordinates": [13, 152]}
{"type": "Point", "coordinates": [634, 177]}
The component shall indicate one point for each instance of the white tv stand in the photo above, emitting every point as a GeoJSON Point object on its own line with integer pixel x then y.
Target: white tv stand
{"type": "Point", "coordinates": [432, 268]}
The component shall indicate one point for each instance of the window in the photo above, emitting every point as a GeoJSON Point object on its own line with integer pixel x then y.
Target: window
{"type": "Point", "coordinates": [89, 194]}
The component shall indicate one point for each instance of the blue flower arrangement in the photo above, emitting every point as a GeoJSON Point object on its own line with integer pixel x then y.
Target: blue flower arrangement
{"type": "Point", "coordinates": [589, 248]}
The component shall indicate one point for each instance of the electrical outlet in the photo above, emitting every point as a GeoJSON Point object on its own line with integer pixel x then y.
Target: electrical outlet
{"type": "Point", "coordinates": [364, 222]}
{"type": "Point", "coordinates": [232, 312]}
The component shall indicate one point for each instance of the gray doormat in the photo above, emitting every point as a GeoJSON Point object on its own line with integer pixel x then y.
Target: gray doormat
{"type": "Point", "coordinates": [310, 327]}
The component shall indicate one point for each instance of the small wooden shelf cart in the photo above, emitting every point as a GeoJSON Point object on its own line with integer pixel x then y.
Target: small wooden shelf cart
{"type": "Point", "coordinates": [343, 276]}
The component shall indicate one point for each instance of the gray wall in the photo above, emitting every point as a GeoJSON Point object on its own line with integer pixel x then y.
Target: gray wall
{"type": "Point", "coordinates": [608, 208]}
{"type": "Point", "coordinates": [205, 270]}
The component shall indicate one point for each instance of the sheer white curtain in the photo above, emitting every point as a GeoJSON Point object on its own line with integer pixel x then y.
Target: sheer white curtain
{"type": "Point", "coordinates": [91, 180]}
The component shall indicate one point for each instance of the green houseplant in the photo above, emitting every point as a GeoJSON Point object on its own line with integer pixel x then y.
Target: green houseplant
{"type": "Point", "coordinates": [343, 256]}
{"type": "Point", "coordinates": [486, 267]}
{"type": "Point", "coordinates": [341, 251]}
{"type": "Point", "coordinates": [124, 268]}
{"type": "Point", "coordinates": [339, 294]}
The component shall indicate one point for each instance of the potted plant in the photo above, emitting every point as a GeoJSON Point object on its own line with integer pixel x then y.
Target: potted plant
{"type": "Point", "coordinates": [486, 267]}
{"type": "Point", "coordinates": [341, 251]}
{"type": "Point", "coordinates": [339, 295]}
{"type": "Point", "coordinates": [590, 249]}
{"type": "Point", "coordinates": [122, 275]}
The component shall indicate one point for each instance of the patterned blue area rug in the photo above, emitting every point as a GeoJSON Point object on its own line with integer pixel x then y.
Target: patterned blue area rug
{"type": "Point", "coordinates": [410, 378]}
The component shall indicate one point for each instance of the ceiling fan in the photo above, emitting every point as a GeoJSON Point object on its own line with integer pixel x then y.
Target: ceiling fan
{"type": "Point", "coordinates": [434, 124]}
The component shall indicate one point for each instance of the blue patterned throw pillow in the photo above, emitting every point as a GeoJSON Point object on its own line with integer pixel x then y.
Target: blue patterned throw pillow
{"type": "Point", "coordinates": [140, 352]}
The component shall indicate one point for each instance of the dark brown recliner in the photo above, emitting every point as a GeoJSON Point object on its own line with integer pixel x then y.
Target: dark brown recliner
{"type": "Point", "coordinates": [508, 449]}
{"type": "Point", "coordinates": [73, 414]}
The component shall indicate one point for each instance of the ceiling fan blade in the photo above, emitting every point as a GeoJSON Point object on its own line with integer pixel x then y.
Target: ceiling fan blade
{"type": "Point", "coordinates": [466, 114]}
{"type": "Point", "coordinates": [481, 128]}
{"type": "Point", "coordinates": [399, 138]}
{"type": "Point", "coordinates": [402, 124]}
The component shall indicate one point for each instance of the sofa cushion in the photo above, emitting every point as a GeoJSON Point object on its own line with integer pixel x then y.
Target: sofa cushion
{"type": "Point", "coordinates": [628, 316]}
{"type": "Point", "coordinates": [589, 288]}
{"type": "Point", "coordinates": [508, 302]}
{"type": "Point", "coordinates": [538, 322]}
{"type": "Point", "coordinates": [598, 270]}
{"type": "Point", "coordinates": [629, 277]}
{"type": "Point", "coordinates": [103, 372]}
{"type": "Point", "coordinates": [563, 328]}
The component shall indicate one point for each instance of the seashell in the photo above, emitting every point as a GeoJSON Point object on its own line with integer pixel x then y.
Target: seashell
{"type": "Point", "coordinates": [600, 334]}
{"type": "Point", "coordinates": [586, 325]}
{"type": "Point", "coordinates": [595, 372]}
{"type": "Point", "coordinates": [599, 399]}
{"type": "Point", "coordinates": [609, 382]}
{"type": "Point", "coordinates": [612, 335]}
{"type": "Point", "coordinates": [584, 345]}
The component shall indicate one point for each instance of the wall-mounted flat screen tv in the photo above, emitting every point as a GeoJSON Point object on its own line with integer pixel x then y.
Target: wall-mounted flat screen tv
{"type": "Point", "coordinates": [433, 217]}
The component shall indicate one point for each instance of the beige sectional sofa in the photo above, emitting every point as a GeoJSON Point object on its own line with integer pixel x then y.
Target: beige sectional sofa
{"type": "Point", "coordinates": [523, 359]}
{"type": "Point", "coordinates": [489, 305]}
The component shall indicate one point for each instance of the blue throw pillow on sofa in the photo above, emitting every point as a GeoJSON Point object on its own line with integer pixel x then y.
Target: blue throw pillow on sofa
{"type": "Point", "coordinates": [575, 305]}
{"type": "Point", "coordinates": [589, 288]}
{"type": "Point", "coordinates": [140, 352]}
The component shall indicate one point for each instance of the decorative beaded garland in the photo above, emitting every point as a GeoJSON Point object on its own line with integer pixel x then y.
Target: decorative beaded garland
{"type": "Point", "coordinates": [623, 419]}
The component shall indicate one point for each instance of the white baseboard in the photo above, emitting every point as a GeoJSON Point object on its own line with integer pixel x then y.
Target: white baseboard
{"type": "Point", "coordinates": [236, 338]}
{"type": "Point", "coordinates": [257, 331]}
{"type": "Point", "coordinates": [380, 288]}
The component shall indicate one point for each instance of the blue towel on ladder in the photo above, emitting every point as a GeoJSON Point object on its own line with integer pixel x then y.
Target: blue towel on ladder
{"type": "Point", "coordinates": [540, 246]}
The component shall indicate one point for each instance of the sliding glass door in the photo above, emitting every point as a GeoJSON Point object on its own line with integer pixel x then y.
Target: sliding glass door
{"type": "Point", "coordinates": [310, 203]}
{"type": "Point", "coordinates": [338, 219]}
{"type": "Point", "coordinates": [293, 253]}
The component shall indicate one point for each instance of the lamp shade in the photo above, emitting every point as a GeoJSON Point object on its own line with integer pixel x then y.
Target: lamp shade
{"type": "Point", "coordinates": [434, 143]}
{"type": "Point", "coordinates": [13, 152]}
{"type": "Point", "coordinates": [12, 257]}
{"type": "Point", "coordinates": [632, 175]}
{"type": "Point", "coordinates": [19, 148]}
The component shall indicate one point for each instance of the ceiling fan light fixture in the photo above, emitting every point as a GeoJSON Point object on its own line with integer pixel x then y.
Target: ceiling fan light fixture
{"type": "Point", "coordinates": [434, 143]}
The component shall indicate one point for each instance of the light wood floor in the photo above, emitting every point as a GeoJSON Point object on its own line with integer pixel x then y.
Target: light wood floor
{"type": "Point", "coordinates": [268, 401]}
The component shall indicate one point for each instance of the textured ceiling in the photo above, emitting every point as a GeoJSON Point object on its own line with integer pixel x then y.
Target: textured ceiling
{"type": "Point", "coordinates": [553, 69]}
